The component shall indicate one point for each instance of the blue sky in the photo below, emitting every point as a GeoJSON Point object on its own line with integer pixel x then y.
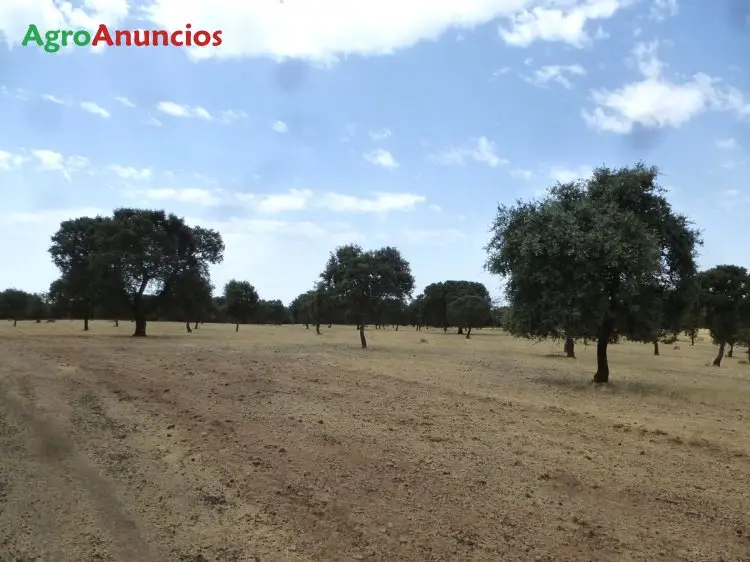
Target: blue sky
{"type": "Point", "coordinates": [319, 123]}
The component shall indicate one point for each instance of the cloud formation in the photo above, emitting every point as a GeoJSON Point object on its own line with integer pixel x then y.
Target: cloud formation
{"type": "Point", "coordinates": [326, 29]}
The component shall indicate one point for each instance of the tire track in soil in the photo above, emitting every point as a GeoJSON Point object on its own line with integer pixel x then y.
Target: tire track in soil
{"type": "Point", "coordinates": [187, 513]}
{"type": "Point", "coordinates": [54, 470]}
{"type": "Point", "coordinates": [307, 471]}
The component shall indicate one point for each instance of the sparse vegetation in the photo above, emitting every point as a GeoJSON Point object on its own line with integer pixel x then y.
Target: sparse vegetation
{"type": "Point", "coordinates": [275, 436]}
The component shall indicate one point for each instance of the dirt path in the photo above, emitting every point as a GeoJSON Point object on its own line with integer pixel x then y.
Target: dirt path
{"type": "Point", "coordinates": [204, 451]}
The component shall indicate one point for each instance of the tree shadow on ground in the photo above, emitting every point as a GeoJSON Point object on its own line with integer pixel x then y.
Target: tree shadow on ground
{"type": "Point", "coordinates": [631, 388]}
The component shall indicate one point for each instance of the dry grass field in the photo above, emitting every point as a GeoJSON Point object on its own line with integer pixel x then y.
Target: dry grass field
{"type": "Point", "coordinates": [276, 444]}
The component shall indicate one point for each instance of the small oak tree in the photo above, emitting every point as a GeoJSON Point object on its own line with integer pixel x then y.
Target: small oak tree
{"type": "Point", "coordinates": [364, 279]}
{"type": "Point", "coordinates": [469, 311]}
{"type": "Point", "coordinates": [725, 290]}
{"type": "Point", "coordinates": [242, 301]}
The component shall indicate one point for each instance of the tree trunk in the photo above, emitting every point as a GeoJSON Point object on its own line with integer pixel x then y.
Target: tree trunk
{"type": "Point", "coordinates": [317, 329]}
{"type": "Point", "coordinates": [602, 364]}
{"type": "Point", "coordinates": [117, 323]}
{"type": "Point", "coordinates": [468, 333]}
{"type": "Point", "coordinates": [329, 325]}
{"type": "Point", "coordinates": [140, 325]}
{"type": "Point", "coordinates": [307, 326]}
{"type": "Point", "coordinates": [692, 339]}
{"type": "Point", "coordinates": [730, 353]}
{"type": "Point", "coordinates": [237, 327]}
{"type": "Point", "coordinates": [720, 356]}
{"type": "Point", "coordinates": [460, 331]}
{"type": "Point", "coordinates": [187, 327]}
{"type": "Point", "coordinates": [15, 322]}
{"type": "Point", "coordinates": [362, 338]}
{"type": "Point", "coordinates": [196, 326]}
{"type": "Point", "coordinates": [656, 347]}
{"type": "Point", "coordinates": [86, 323]}
{"type": "Point", "coordinates": [445, 328]}
{"type": "Point", "coordinates": [397, 327]}
{"type": "Point", "coordinates": [570, 348]}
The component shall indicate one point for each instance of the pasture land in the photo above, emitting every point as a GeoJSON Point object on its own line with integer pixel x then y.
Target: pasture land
{"type": "Point", "coordinates": [276, 444]}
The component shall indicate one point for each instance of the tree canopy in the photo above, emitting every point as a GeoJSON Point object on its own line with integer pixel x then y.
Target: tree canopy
{"type": "Point", "coordinates": [593, 259]}
{"type": "Point", "coordinates": [242, 301]}
{"type": "Point", "coordinates": [438, 296]}
{"type": "Point", "coordinates": [601, 258]}
{"type": "Point", "coordinates": [364, 279]}
{"type": "Point", "coordinates": [133, 253]}
{"type": "Point", "coordinates": [725, 298]}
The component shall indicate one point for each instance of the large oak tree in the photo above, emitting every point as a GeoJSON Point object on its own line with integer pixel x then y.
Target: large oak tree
{"type": "Point", "coordinates": [594, 258]}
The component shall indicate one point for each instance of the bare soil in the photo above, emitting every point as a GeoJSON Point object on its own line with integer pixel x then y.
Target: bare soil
{"type": "Point", "coordinates": [275, 444]}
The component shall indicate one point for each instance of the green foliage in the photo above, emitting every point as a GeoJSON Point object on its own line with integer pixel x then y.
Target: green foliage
{"type": "Point", "coordinates": [191, 296]}
{"type": "Point", "coordinates": [415, 311]}
{"type": "Point", "coordinates": [725, 290]}
{"type": "Point", "coordinates": [36, 307]}
{"type": "Point", "coordinates": [117, 261]}
{"type": "Point", "coordinates": [469, 311]}
{"type": "Point", "coordinates": [14, 304]}
{"type": "Point", "coordinates": [74, 251]}
{"type": "Point", "coordinates": [594, 259]}
{"type": "Point", "coordinates": [241, 301]}
{"type": "Point", "coordinates": [271, 312]}
{"type": "Point", "coordinates": [363, 280]}
{"type": "Point", "coordinates": [438, 296]}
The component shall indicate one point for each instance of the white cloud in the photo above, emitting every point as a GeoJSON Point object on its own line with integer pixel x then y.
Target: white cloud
{"type": "Point", "coordinates": [500, 72]}
{"type": "Point", "coordinates": [309, 30]}
{"type": "Point", "coordinates": [204, 178]}
{"type": "Point", "coordinates": [727, 144]}
{"type": "Point", "coordinates": [188, 195]}
{"type": "Point", "coordinates": [663, 9]}
{"type": "Point", "coordinates": [521, 174]}
{"type": "Point", "coordinates": [231, 115]}
{"type": "Point", "coordinates": [53, 99]}
{"type": "Point", "coordinates": [52, 217]}
{"type": "Point", "coordinates": [482, 151]}
{"type": "Point", "coordinates": [380, 135]}
{"type": "Point", "coordinates": [435, 208]}
{"type": "Point", "coordinates": [294, 200]}
{"type": "Point", "coordinates": [732, 164]}
{"type": "Point", "coordinates": [382, 158]}
{"type": "Point", "coordinates": [277, 203]}
{"type": "Point", "coordinates": [124, 101]}
{"type": "Point", "coordinates": [130, 173]}
{"type": "Point", "coordinates": [95, 109]}
{"type": "Point", "coordinates": [17, 14]}
{"type": "Point", "coordinates": [51, 161]}
{"type": "Point", "coordinates": [177, 110]}
{"type": "Point", "coordinates": [564, 21]}
{"type": "Point", "coordinates": [380, 203]}
{"type": "Point", "coordinates": [564, 175]}
{"type": "Point", "coordinates": [153, 121]}
{"type": "Point", "coordinates": [556, 73]}
{"type": "Point", "coordinates": [656, 102]}
{"type": "Point", "coordinates": [279, 127]}
{"type": "Point", "coordinates": [9, 161]}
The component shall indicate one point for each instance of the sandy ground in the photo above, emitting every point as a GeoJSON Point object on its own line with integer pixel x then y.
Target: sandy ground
{"type": "Point", "coordinates": [276, 444]}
